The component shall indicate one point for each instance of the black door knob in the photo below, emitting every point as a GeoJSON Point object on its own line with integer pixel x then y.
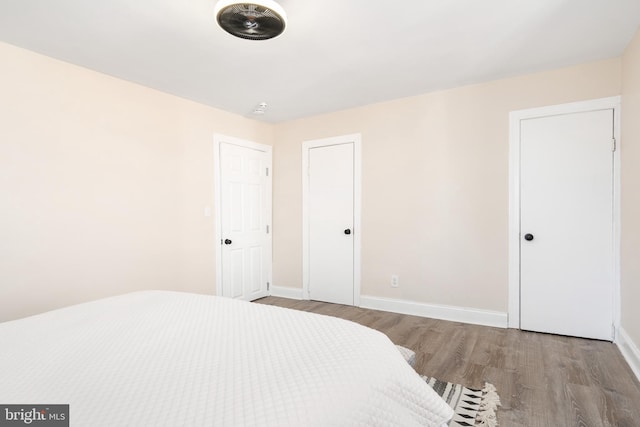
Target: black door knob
{"type": "Point", "coordinates": [347, 231]}
{"type": "Point", "coordinates": [528, 237]}
{"type": "Point", "coordinates": [227, 241]}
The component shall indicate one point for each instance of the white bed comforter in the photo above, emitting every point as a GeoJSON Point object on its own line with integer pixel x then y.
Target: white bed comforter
{"type": "Point", "coordinates": [175, 359]}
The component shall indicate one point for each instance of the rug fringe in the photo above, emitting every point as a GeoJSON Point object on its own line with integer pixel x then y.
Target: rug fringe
{"type": "Point", "coordinates": [490, 401]}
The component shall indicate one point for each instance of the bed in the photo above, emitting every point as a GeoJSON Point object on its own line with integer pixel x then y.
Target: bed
{"type": "Point", "coordinates": [159, 358]}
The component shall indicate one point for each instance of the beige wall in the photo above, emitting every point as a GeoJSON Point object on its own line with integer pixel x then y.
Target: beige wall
{"type": "Point", "coordinates": [435, 185]}
{"type": "Point", "coordinates": [630, 152]}
{"type": "Point", "coordinates": [103, 185]}
{"type": "Point", "coordinates": [104, 182]}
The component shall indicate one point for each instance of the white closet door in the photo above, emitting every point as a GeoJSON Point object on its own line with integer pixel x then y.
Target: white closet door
{"type": "Point", "coordinates": [331, 219]}
{"type": "Point", "coordinates": [566, 224]}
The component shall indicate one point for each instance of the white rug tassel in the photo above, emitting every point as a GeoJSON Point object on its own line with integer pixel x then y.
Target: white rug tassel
{"type": "Point", "coordinates": [487, 414]}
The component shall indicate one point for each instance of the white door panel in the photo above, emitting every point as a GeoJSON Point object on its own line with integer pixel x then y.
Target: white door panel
{"type": "Point", "coordinates": [234, 272]}
{"type": "Point", "coordinates": [256, 279]}
{"type": "Point", "coordinates": [331, 220]}
{"type": "Point", "coordinates": [566, 197]}
{"type": "Point", "coordinates": [244, 212]}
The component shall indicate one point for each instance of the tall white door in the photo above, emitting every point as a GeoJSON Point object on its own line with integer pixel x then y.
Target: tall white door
{"type": "Point", "coordinates": [566, 224]}
{"type": "Point", "coordinates": [244, 218]}
{"type": "Point", "coordinates": [331, 223]}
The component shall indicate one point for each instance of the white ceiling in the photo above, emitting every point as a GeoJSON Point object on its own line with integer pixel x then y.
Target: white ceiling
{"type": "Point", "coordinates": [334, 54]}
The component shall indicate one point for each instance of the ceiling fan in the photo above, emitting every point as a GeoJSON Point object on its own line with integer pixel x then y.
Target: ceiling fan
{"type": "Point", "coordinates": [256, 20]}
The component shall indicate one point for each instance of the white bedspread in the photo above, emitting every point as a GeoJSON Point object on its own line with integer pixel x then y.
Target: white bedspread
{"type": "Point", "coordinates": [175, 359]}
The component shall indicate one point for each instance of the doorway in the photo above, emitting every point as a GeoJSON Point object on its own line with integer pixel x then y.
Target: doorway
{"type": "Point", "coordinates": [243, 213]}
{"type": "Point", "coordinates": [564, 219]}
{"type": "Point", "coordinates": [331, 219]}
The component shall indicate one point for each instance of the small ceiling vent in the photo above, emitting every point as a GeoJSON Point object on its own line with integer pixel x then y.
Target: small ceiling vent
{"type": "Point", "coordinates": [259, 20]}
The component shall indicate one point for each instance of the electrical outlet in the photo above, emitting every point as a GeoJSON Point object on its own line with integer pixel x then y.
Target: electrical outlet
{"type": "Point", "coordinates": [395, 281]}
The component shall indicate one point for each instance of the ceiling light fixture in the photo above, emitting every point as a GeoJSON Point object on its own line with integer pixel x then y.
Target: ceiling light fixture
{"type": "Point", "coordinates": [257, 20]}
{"type": "Point", "coordinates": [260, 108]}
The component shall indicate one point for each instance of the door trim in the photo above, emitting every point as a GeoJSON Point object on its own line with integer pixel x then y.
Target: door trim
{"type": "Point", "coordinates": [267, 149]}
{"type": "Point", "coordinates": [514, 197]}
{"type": "Point", "coordinates": [357, 228]}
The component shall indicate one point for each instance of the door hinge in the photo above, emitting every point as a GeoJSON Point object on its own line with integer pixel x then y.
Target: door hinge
{"type": "Point", "coordinates": [267, 171]}
{"type": "Point", "coordinates": [268, 286]}
{"type": "Point", "coordinates": [613, 144]}
{"type": "Point", "coordinates": [267, 229]}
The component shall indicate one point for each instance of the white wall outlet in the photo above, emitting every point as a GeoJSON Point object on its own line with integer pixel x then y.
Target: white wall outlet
{"type": "Point", "coordinates": [395, 281]}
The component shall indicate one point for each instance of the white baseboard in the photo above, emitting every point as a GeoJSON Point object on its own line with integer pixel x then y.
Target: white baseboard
{"type": "Point", "coordinates": [286, 292]}
{"type": "Point", "coordinates": [457, 314]}
{"type": "Point", "coordinates": [629, 350]}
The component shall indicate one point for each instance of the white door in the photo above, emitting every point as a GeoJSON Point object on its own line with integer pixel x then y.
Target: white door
{"type": "Point", "coordinates": [244, 221]}
{"type": "Point", "coordinates": [330, 219]}
{"type": "Point", "coordinates": [566, 224]}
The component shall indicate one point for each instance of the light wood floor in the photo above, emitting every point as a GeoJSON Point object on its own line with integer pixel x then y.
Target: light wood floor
{"type": "Point", "coordinates": [543, 380]}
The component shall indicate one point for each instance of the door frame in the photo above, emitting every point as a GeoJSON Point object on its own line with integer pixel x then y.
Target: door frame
{"type": "Point", "coordinates": [515, 117]}
{"type": "Point", "coordinates": [357, 191]}
{"type": "Point", "coordinates": [217, 170]}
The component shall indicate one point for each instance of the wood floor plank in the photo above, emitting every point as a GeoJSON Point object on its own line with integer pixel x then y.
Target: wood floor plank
{"type": "Point", "coordinates": [543, 380]}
